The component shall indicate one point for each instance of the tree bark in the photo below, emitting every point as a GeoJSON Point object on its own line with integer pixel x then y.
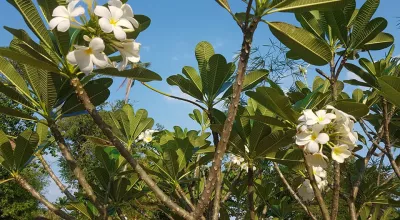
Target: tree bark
{"type": "Point", "coordinates": [106, 129]}
{"type": "Point", "coordinates": [250, 191]}
{"type": "Point", "coordinates": [388, 147]}
{"type": "Point", "coordinates": [24, 184]}
{"type": "Point", "coordinates": [248, 32]}
{"type": "Point", "coordinates": [55, 178]}
{"type": "Point", "coordinates": [62, 145]}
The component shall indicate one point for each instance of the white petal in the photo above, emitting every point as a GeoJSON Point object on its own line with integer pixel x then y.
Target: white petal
{"type": "Point", "coordinates": [337, 158]}
{"type": "Point", "coordinates": [119, 33]}
{"type": "Point", "coordinates": [116, 13]}
{"type": "Point", "coordinates": [124, 23]}
{"type": "Point", "coordinates": [63, 26]}
{"type": "Point", "coordinates": [61, 11]}
{"type": "Point", "coordinates": [105, 25]}
{"type": "Point", "coordinates": [321, 113]}
{"type": "Point", "coordinates": [312, 121]}
{"type": "Point", "coordinates": [100, 60]}
{"type": "Point", "coordinates": [330, 116]}
{"type": "Point", "coordinates": [325, 121]}
{"type": "Point", "coordinates": [72, 5]}
{"type": "Point", "coordinates": [309, 114]}
{"type": "Point", "coordinates": [312, 147]}
{"type": "Point", "coordinates": [71, 57]}
{"type": "Point", "coordinates": [133, 21]}
{"type": "Point", "coordinates": [55, 21]}
{"type": "Point", "coordinates": [84, 61]}
{"type": "Point", "coordinates": [127, 9]}
{"type": "Point", "coordinates": [317, 128]}
{"type": "Point", "coordinates": [103, 12]}
{"type": "Point", "coordinates": [322, 138]}
{"type": "Point", "coordinates": [97, 44]}
{"type": "Point", "coordinates": [116, 3]}
{"type": "Point", "coordinates": [78, 11]}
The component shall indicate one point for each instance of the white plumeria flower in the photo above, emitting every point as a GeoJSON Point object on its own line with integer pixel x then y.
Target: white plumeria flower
{"type": "Point", "coordinates": [63, 16]}
{"type": "Point", "coordinates": [317, 160]}
{"type": "Point", "coordinates": [245, 167]}
{"type": "Point", "coordinates": [341, 117]}
{"type": "Point", "coordinates": [312, 139]}
{"type": "Point", "coordinates": [129, 52]}
{"type": "Point", "coordinates": [112, 21]}
{"type": "Point", "coordinates": [319, 174]}
{"type": "Point", "coordinates": [85, 57]}
{"type": "Point", "coordinates": [341, 152]}
{"type": "Point", "coordinates": [320, 117]}
{"type": "Point", "coordinates": [236, 160]}
{"type": "Point", "coordinates": [322, 184]}
{"type": "Point", "coordinates": [127, 10]}
{"type": "Point", "coordinates": [306, 191]}
{"type": "Point", "coordinates": [146, 136]}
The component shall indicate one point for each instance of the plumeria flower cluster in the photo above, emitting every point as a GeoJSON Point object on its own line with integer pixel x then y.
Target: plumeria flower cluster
{"type": "Point", "coordinates": [240, 162]}
{"type": "Point", "coordinates": [117, 18]}
{"type": "Point", "coordinates": [146, 136]}
{"type": "Point", "coordinates": [330, 128]}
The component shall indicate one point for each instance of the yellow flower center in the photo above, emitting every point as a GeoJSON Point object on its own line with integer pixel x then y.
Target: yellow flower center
{"type": "Point", "coordinates": [89, 51]}
{"type": "Point", "coordinates": [113, 21]}
{"type": "Point", "coordinates": [337, 150]}
{"type": "Point", "coordinates": [314, 137]}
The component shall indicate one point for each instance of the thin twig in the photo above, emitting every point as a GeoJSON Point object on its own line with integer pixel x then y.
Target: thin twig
{"type": "Point", "coordinates": [292, 192]}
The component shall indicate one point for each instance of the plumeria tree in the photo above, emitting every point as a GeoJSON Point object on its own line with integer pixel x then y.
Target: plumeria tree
{"type": "Point", "coordinates": [306, 139]}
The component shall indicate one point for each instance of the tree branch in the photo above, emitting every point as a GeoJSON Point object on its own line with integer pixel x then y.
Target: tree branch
{"type": "Point", "coordinates": [389, 153]}
{"type": "Point", "coordinates": [106, 129]}
{"type": "Point", "coordinates": [292, 192]}
{"type": "Point", "coordinates": [55, 178]}
{"type": "Point", "coordinates": [317, 192]}
{"type": "Point", "coordinates": [24, 184]}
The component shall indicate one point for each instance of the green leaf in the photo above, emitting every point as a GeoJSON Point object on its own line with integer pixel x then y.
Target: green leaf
{"type": "Point", "coordinates": [381, 41]}
{"type": "Point", "coordinates": [309, 22]}
{"type": "Point", "coordinates": [186, 86]}
{"type": "Point", "coordinates": [138, 73]}
{"type": "Point", "coordinates": [203, 52]}
{"type": "Point", "coordinates": [274, 141]}
{"type": "Point", "coordinates": [13, 76]}
{"type": "Point", "coordinates": [30, 46]}
{"type": "Point", "coordinates": [307, 5]}
{"type": "Point", "coordinates": [14, 95]}
{"type": "Point", "coordinates": [25, 146]}
{"type": "Point", "coordinates": [251, 80]}
{"type": "Point", "coordinates": [292, 158]}
{"type": "Point", "coordinates": [355, 109]}
{"type": "Point", "coordinates": [336, 22]}
{"type": "Point", "coordinates": [390, 89]}
{"type": "Point", "coordinates": [193, 76]}
{"type": "Point", "coordinates": [258, 132]}
{"type": "Point", "coordinates": [144, 23]}
{"type": "Point", "coordinates": [269, 120]}
{"type": "Point", "coordinates": [42, 131]}
{"type": "Point", "coordinates": [371, 30]}
{"type": "Point", "coordinates": [28, 60]}
{"type": "Point", "coordinates": [367, 77]}
{"type": "Point", "coordinates": [357, 95]}
{"type": "Point", "coordinates": [15, 113]}
{"type": "Point", "coordinates": [368, 65]}
{"type": "Point", "coordinates": [355, 82]}
{"type": "Point", "coordinates": [275, 102]}
{"type": "Point", "coordinates": [6, 152]}
{"type": "Point", "coordinates": [32, 19]}
{"type": "Point", "coordinates": [363, 17]}
{"type": "Point", "coordinates": [218, 72]}
{"type": "Point", "coordinates": [311, 49]}
{"type": "Point", "coordinates": [98, 141]}
{"type": "Point", "coordinates": [184, 152]}
{"type": "Point", "coordinates": [97, 91]}
{"type": "Point", "coordinates": [83, 209]}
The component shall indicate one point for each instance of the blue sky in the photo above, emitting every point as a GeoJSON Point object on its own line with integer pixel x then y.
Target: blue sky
{"type": "Point", "coordinates": [177, 26]}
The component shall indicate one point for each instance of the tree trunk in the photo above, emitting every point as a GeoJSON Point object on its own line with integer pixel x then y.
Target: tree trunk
{"type": "Point", "coordinates": [250, 191]}
{"type": "Point", "coordinates": [248, 33]}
